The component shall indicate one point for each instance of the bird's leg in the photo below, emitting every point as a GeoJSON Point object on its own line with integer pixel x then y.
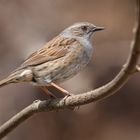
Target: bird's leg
{"type": "Point", "coordinates": [45, 89]}
{"type": "Point", "coordinates": [65, 92]}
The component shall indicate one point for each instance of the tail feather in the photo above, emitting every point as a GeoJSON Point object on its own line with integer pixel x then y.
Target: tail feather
{"type": "Point", "coordinates": [6, 81]}
{"type": "Point", "coordinates": [16, 77]}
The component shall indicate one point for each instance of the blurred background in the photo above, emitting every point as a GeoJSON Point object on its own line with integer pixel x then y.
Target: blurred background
{"type": "Point", "coordinates": [26, 25]}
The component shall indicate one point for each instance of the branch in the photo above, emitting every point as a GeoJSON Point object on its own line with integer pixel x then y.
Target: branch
{"type": "Point", "coordinates": [110, 88]}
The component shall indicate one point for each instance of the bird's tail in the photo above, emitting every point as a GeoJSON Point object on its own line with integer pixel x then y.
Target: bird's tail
{"type": "Point", "coordinates": [5, 82]}
{"type": "Point", "coordinates": [16, 77]}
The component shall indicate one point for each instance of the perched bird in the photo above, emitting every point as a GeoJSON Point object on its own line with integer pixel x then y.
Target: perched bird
{"type": "Point", "coordinates": [58, 60]}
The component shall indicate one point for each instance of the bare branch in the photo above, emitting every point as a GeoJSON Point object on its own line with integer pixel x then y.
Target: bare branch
{"type": "Point", "coordinates": [72, 101]}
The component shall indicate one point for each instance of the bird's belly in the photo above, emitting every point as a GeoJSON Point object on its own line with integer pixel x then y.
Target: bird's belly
{"type": "Point", "coordinates": [72, 68]}
{"type": "Point", "coordinates": [61, 72]}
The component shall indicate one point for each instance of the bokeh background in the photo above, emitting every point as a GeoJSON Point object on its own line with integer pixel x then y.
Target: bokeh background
{"type": "Point", "coordinates": [27, 25]}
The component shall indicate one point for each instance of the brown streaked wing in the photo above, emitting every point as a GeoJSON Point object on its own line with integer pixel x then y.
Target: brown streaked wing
{"type": "Point", "coordinates": [54, 49]}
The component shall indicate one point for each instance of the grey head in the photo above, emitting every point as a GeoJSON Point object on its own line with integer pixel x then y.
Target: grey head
{"type": "Point", "coordinates": [81, 30]}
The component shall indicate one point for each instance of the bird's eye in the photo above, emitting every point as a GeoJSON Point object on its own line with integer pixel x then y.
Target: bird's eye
{"type": "Point", "coordinates": [84, 28]}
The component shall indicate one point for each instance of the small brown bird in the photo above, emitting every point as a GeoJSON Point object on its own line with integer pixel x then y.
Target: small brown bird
{"type": "Point", "coordinates": [58, 60]}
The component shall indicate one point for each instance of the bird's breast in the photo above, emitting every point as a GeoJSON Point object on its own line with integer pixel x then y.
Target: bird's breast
{"type": "Point", "coordinates": [88, 48]}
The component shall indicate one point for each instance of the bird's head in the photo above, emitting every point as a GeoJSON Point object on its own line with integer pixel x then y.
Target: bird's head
{"type": "Point", "coordinates": [81, 29]}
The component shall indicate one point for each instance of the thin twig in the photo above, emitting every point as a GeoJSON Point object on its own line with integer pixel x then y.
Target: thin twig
{"type": "Point", "coordinates": [110, 88]}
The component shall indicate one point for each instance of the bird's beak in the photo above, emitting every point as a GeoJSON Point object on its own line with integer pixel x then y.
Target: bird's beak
{"type": "Point", "coordinates": [98, 29]}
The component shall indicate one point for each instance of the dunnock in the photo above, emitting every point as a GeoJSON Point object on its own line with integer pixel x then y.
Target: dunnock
{"type": "Point", "coordinates": [58, 60]}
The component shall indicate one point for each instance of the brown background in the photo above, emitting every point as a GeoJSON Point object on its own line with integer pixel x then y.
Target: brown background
{"type": "Point", "coordinates": [27, 25]}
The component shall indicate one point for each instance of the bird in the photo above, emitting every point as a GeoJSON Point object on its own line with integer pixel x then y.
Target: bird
{"type": "Point", "coordinates": [58, 60]}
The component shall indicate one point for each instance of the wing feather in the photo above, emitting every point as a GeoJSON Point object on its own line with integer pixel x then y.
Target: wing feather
{"type": "Point", "coordinates": [54, 49]}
